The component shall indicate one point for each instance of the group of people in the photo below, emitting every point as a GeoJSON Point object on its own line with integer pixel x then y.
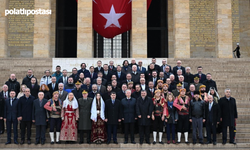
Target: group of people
{"type": "Point", "coordinates": [99, 101]}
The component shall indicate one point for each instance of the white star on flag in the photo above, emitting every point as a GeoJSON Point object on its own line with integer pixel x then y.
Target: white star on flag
{"type": "Point", "coordinates": [112, 17]}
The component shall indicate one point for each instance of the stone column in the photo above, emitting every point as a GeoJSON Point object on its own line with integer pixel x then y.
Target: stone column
{"type": "Point", "coordinates": [84, 29]}
{"type": "Point", "coordinates": [41, 44]}
{"type": "Point", "coordinates": [3, 29]}
{"type": "Point", "coordinates": [139, 29]}
{"type": "Point", "coordinates": [224, 29]}
{"type": "Point", "coordinates": [181, 28]}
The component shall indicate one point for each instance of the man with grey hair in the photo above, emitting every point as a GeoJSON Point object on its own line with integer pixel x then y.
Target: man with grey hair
{"type": "Point", "coordinates": [62, 94]}
{"type": "Point", "coordinates": [100, 88]}
{"type": "Point", "coordinates": [177, 67]}
{"type": "Point", "coordinates": [13, 84]}
{"type": "Point", "coordinates": [64, 78]}
{"type": "Point", "coordinates": [184, 84]}
{"type": "Point", "coordinates": [128, 107]}
{"type": "Point", "coordinates": [228, 117]}
{"type": "Point", "coordinates": [179, 72]}
{"type": "Point", "coordinates": [111, 66]}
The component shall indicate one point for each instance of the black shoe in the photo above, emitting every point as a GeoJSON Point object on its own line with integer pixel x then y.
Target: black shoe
{"type": "Point", "coordinates": [115, 142]}
{"type": "Point", "coordinates": [208, 142]}
{"type": "Point", "coordinates": [52, 142]}
{"type": "Point", "coordinates": [141, 143]}
{"type": "Point", "coordinates": [58, 142]}
{"type": "Point", "coordinates": [81, 142]}
{"type": "Point", "coordinates": [214, 143]}
{"type": "Point", "coordinates": [224, 142]}
{"type": "Point", "coordinates": [1, 132]}
{"type": "Point", "coordinates": [161, 143]}
{"type": "Point", "coordinates": [88, 142]}
{"type": "Point", "coordinates": [148, 142]}
{"type": "Point", "coordinates": [194, 142]}
{"type": "Point", "coordinates": [43, 142]}
{"type": "Point", "coordinates": [154, 142]}
{"type": "Point", "coordinates": [233, 143]}
{"type": "Point", "coordinates": [37, 142]}
{"type": "Point", "coordinates": [9, 142]}
{"type": "Point", "coordinates": [22, 142]}
{"type": "Point", "coordinates": [28, 142]}
{"type": "Point", "coordinates": [125, 142]}
{"type": "Point", "coordinates": [187, 142]}
{"type": "Point", "coordinates": [108, 142]}
{"type": "Point", "coordinates": [201, 142]}
{"type": "Point", "coordinates": [16, 142]}
{"type": "Point", "coordinates": [133, 142]}
{"type": "Point", "coordinates": [178, 142]}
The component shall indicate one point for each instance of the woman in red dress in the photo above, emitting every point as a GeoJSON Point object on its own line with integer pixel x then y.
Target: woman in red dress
{"type": "Point", "coordinates": [69, 114]}
{"type": "Point", "coordinates": [98, 132]}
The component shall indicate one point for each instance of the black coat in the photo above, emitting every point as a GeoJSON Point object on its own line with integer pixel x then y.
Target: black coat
{"type": "Point", "coordinates": [128, 109]}
{"type": "Point", "coordinates": [39, 113]}
{"type": "Point", "coordinates": [120, 95]}
{"type": "Point", "coordinates": [228, 111]}
{"type": "Point", "coordinates": [51, 89]}
{"type": "Point", "coordinates": [25, 107]}
{"type": "Point", "coordinates": [13, 85]}
{"type": "Point", "coordinates": [189, 78]}
{"type": "Point", "coordinates": [77, 93]}
{"type": "Point", "coordinates": [122, 77]}
{"type": "Point", "coordinates": [203, 77]}
{"type": "Point", "coordinates": [215, 113]}
{"type": "Point", "coordinates": [136, 94]}
{"type": "Point", "coordinates": [150, 94]}
{"type": "Point", "coordinates": [108, 76]}
{"type": "Point", "coordinates": [112, 111]}
{"type": "Point", "coordinates": [136, 78]}
{"type": "Point", "coordinates": [106, 96]}
{"type": "Point", "coordinates": [2, 103]}
{"type": "Point", "coordinates": [96, 69]}
{"type": "Point", "coordinates": [11, 112]}
{"type": "Point", "coordinates": [75, 77]}
{"type": "Point", "coordinates": [27, 80]}
{"type": "Point", "coordinates": [35, 90]}
{"type": "Point", "coordinates": [176, 68]}
{"type": "Point", "coordinates": [85, 72]}
{"type": "Point", "coordinates": [144, 108]}
{"type": "Point", "coordinates": [210, 83]}
{"type": "Point", "coordinates": [46, 94]}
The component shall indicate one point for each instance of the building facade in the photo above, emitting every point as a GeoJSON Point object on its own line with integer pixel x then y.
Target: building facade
{"type": "Point", "coordinates": [169, 28]}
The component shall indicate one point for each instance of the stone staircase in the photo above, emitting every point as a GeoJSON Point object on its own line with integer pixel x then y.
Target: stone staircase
{"type": "Point", "coordinates": [228, 73]}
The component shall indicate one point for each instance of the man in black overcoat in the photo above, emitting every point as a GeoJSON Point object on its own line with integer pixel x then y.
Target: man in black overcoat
{"type": "Point", "coordinates": [228, 116]}
{"type": "Point", "coordinates": [144, 108]}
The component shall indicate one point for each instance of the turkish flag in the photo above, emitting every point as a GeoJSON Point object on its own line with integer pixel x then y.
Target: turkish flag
{"type": "Point", "coordinates": [111, 17]}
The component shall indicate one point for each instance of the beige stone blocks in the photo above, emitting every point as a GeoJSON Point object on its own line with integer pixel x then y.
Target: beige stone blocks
{"type": "Point", "coordinates": [41, 44]}
{"type": "Point", "coordinates": [139, 29]}
{"type": "Point", "coordinates": [3, 29]}
{"type": "Point", "coordinates": [84, 29]}
{"type": "Point", "coordinates": [181, 28]}
{"type": "Point", "coordinates": [224, 29]}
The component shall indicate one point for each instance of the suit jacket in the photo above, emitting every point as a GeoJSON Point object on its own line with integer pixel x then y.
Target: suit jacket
{"type": "Point", "coordinates": [112, 111]}
{"type": "Point", "coordinates": [108, 76]}
{"type": "Point", "coordinates": [163, 68]}
{"type": "Point", "coordinates": [228, 111]}
{"type": "Point", "coordinates": [51, 89]}
{"type": "Point", "coordinates": [210, 83]}
{"type": "Point", "coordinates": [151, 79]}
{"type": "Point", "coordinates": [25, 107]}
{"type": "Point", "coordinates": [35, 90]}
{"type": "Point", "coordinates": [96, 70]}
{"type": "Point", "coordinates": [122, 77]}
{"type": "Point", "coordinates": [102, 89]}
{"type": "Point", "coordinates": [75, 77]}
{"type": "Point", "coordinates": [150, 94]}
{"type": "Point", "coordinates": [189, 78]}
{"type": "Point", "coordinates": [120, 95]}
{"type": "Point", "coordinates": [157, 68]}
{"type": "Point", "coordinates": [60, 80]}
{"type": "Point", "coordinates": [176, 92]}
{"type": "Point", "coordinates": [129, 69]}
{"type": "Point", "coordinates": [2, 103]}
{"type": "Point", "coordinates": [91, 94]}
{"type": "Point", "coordinates": [136, 77]}
{"type": "Point", "coordinates": [39, 113]}
{"type": "Point", "coordinates": [143, 69]}
{"type": "Point", "coordinates": [2, 95]}
{"type": "Point", "coordinates": [63, 96]}
{"type": "Point", "coordinates": [85, 87]}
{"type": "Point", "coordinates": [128, 108]}
{"type": "Point", "coordinates": [113, 69]}
{"type": "Point", "coordinates": [144, 108]}
{"type": "Point", "coordinates": [85, 72]}
{"type": "Point", "coordinates": [176, 68]}
{"type": "Point", "coordinates": [104, 82]}
{"type": "Point", "coordinates": [93, 77]}
{"type": "Point", "coordinates": [11, 112]}
{"type": "Point", "coordinates": [77, 93]}
{"type": "Point", "coordinates": [136, 94]}
{"type": "Point", "coordinates": [214, 114]}
{"type": "Point", "coordinates": [203, 77]}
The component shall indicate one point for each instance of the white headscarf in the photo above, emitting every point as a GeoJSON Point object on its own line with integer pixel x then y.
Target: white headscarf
{"type": "Point", "coordinates": [74, 102]}
{"type": "Point", "coordinates": [94, 110]}
{"type": "Point", "coordinates": [216, 93]}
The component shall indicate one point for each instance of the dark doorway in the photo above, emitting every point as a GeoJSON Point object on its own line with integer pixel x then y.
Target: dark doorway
{"type": "Point", "coordinates": [66, 28]}
{"type": "Point", "coordinates": [157, 27]}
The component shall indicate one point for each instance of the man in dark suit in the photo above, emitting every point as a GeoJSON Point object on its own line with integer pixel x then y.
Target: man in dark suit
{"type": "Point", "coordinates": [11, 116]}
{"type": "Point", "coordinates": [184, 84]}
{"type": "Point", "coordinates": [87, 86]}
{"type": "Point", "coordinates": [151, 89]}
{"type": "Point", "coordinates": [5, 94]}
{"type": "Point", "coordinates": [64, 78]}
{"type": "Point", "coordinates": [62, 94]}
{"type": "Point", "coordinates": [140, 68]}
{"type": "Point", "coordinates": [74, 75]}
{"type": "Point", "coordinates": [229, 115]}
{"type": "Point", "coordinates": [200, 74]}
{"type": "Point", "coordinates": [167, 72]}
{"type": "Point", "coordinates": [39, 117]}
{"type": "Point", "coordinates": [121, 94]}
{"type": "Point", "coordinates": [154, 77]}
{"type": "Point", "coordinates": [210, 83]}
{"type": "Point", "coordinates": [2, 103]}
{"type": "Point", "coordinates": [178, 67]}
{"type": "Point", "coordinates": [100, 88]}
{"type": "Point", "coordinates": [99, 67]}
{"type": "Point", "coordinates": [93, 74]}
{"type": "Point", "coordinates": [188, 76]}
{"type": "Point", "coordinates": [84, 70]}
{"type": "Point", "coordinates": [106, 73]}
{"type": "Point", "coordinates": [100, 75]}
{"type": "Point", "coordinates": [119, 74]}
{"type": "Point", "coordinates": [144, 108]}
{"type": "Point", "coordinates": [135, 75]}
{"type": "Point", "coordinates": [106, 95]}
{"type": "Point", "coordinates": [128, 107]}
{"type": "Point", "coordinates": [25, 106]}
{"type": "Point", "coordinates": [156, 67]}
{"type": "Point", "coordinates": [111, 66]}
{"type": "Point", "coordinates": [93, 92]}
{"type": "Point", "coordinates": [53, 86]}
{"type": "Point", "coordinates": [164, 65]}
{"type": "Point", "coordinates": [113, 116]}
{"type": "Point", "coordinates": [34, 87]}
{"type": "Point", "coordinates": [128, 78]}
{"type": "Point", "coordinates": [137, 92]}
{"type": "Point", "coordinates": [143, 84]}
{"type": "Point", "coordinates": [212, 112]}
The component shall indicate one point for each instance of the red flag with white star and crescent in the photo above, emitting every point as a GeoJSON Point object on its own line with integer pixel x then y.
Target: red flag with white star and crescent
{"type": "Point", "coordinates": [111, 17]}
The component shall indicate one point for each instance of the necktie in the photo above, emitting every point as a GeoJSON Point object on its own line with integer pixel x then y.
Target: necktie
{"type": "Point", "coordinates": [91, 75]}
{"type": "Point", "coordinates": [113, 101]}
{"type": "Point", "coordinates": [5, 95]}
{"type": "Point", "coordinates": [210, 106]}
{"type": "Point", "coordinates": [119, 74]}
{"type": "Point", "coordinates": [151, 91]}
{"type": "Point", "coordinates": [11, 101]}
{"type": "Point", "coordinates": [47, 81]}
{"type": "Point", "coordinates": [32, 86]}
{"type": "Point", "coordinates": [64, 80]}
{"type": "Point", "coordinates": [200, 76]}
{"type": "Point", "coordinates": [60, 93]}
{"type": "Point", "coordinates": [53, 86]}
{"type": "Point", "coordinates": [40, 103]}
